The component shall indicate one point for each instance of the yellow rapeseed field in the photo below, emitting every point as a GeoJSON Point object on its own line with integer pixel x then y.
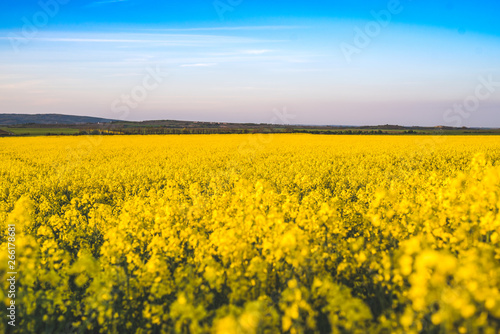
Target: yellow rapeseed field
{"type": "Point", "coordinates": [252, 234]}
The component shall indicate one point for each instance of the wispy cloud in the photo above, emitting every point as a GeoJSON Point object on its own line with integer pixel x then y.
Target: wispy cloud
{"type": "Point", "coordinates": [255, 52]}
{"type": "Point", "coordinates": [199, 65]}
{"type": "Point", "coordinates": [21, 84]}
{"type": "Point", "coordinates": [95, 40]}
{"type": "Point", "coordinates": [157, 39]}
{"type": "Point", "coordinates": [277, 27]}
{"type": "Point", "coordinates": [124, 75]}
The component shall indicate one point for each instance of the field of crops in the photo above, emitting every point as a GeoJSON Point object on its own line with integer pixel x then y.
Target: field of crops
{"type": "Point", "coordinates": [252, 234]}
{"type": "Point", "coordinates": [40, 131]}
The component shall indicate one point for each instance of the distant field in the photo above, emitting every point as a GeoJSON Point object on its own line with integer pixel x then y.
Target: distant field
{"type": "Point", "coordinates": [40, 131]}
{"type": "Point", "coordinates": [176, 127]}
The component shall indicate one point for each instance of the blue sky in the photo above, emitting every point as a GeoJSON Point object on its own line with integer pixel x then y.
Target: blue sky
{"type": "Point", "coordinates": [324, 62]}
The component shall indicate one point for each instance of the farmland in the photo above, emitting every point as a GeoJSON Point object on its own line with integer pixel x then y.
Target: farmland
{"type": "Point", "coordinates": [262, 233]}
{"type": "Point", "coordinates": [55, 124]}
{"type": "Point", "coordinates": [41, 131]}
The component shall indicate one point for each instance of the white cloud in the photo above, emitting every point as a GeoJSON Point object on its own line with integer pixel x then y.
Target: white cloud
{"type": "Point", "coordinates": [199, 65]}
{"type": "Point", "coordinates": [230, 28]}
{"type": "Point", "coordinates": [255, 52]}
{"type": "Point", "coordinates": [22, 84]}
{"type": "Point", "coordinates": [156, 39]}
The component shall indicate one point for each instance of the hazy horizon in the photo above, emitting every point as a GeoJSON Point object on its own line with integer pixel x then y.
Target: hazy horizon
{"type": "Point", "coordinates": [411, 63]}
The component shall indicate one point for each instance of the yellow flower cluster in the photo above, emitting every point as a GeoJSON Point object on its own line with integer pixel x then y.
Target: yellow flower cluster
{"type": "Point", "coordinates": [298, 234]}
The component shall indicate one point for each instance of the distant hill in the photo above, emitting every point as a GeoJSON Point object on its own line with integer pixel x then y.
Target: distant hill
{"type": "Point", "coordinates": [18, 119]}
{"type": "Point", "coordinates": [56, 124]}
